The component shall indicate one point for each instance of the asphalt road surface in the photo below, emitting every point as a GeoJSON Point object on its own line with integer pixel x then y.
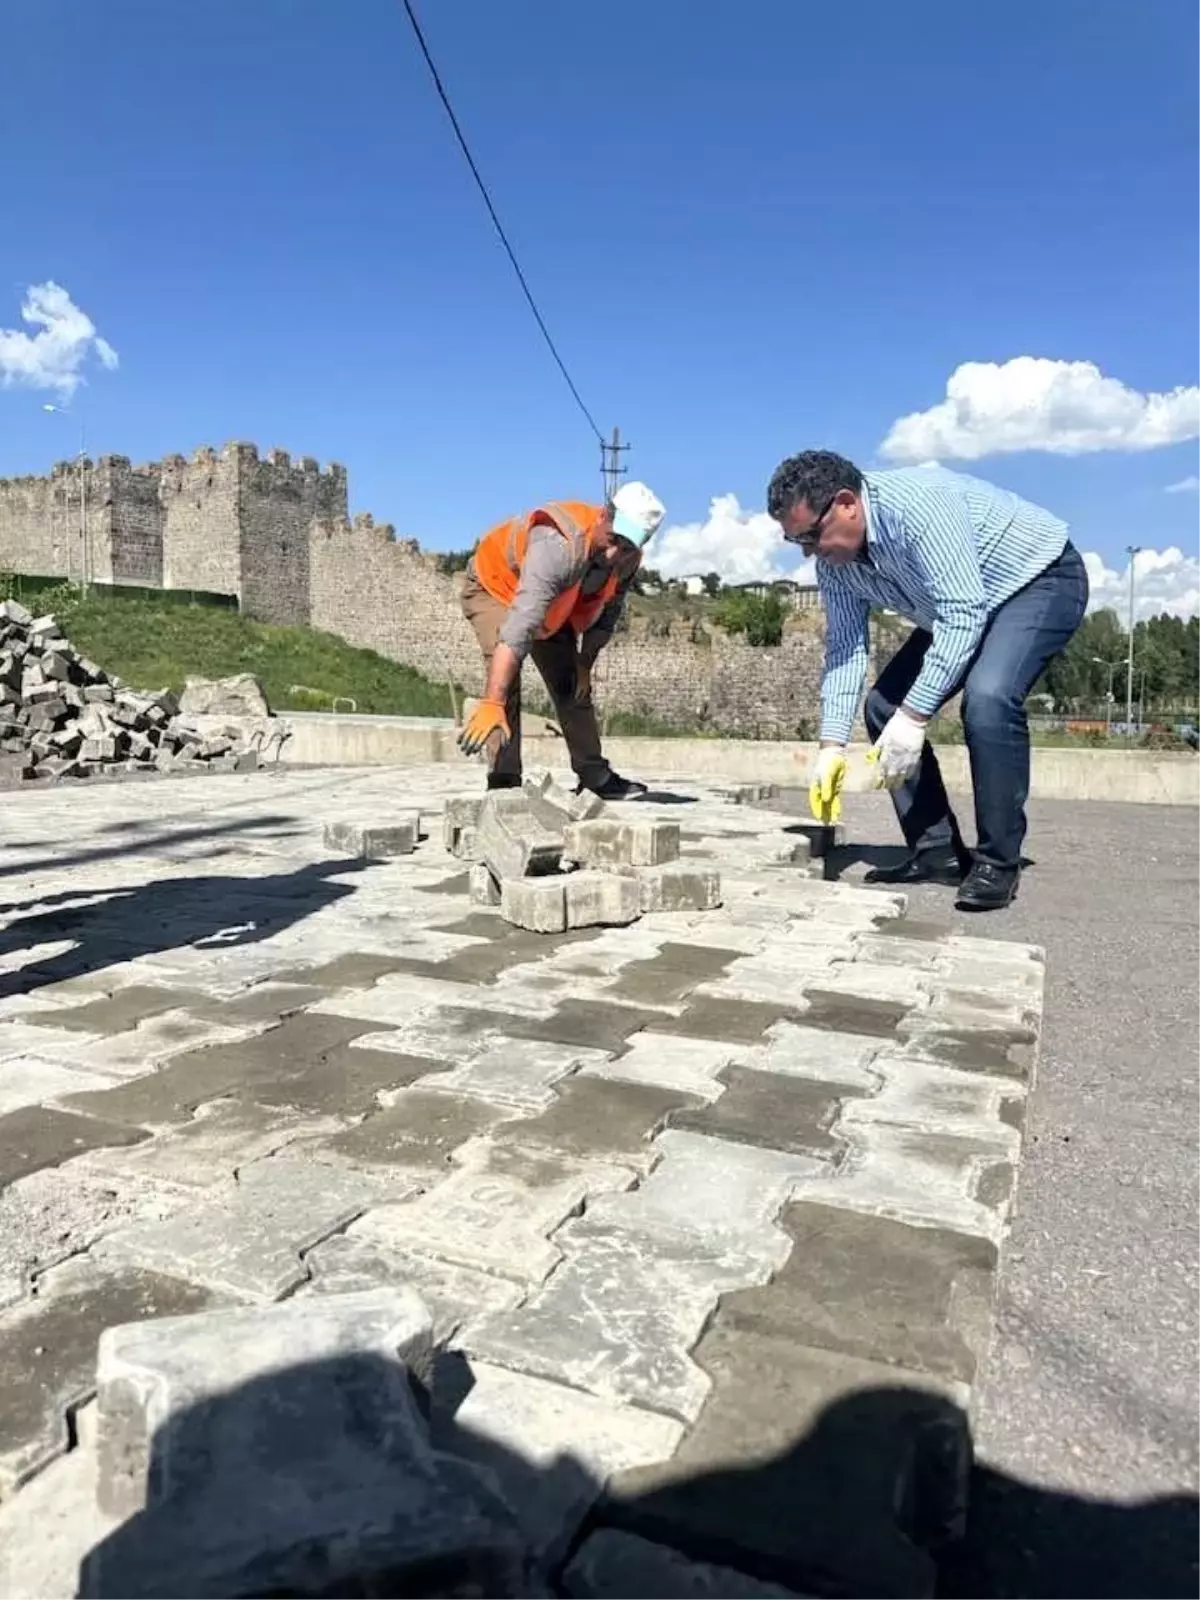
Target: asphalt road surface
{"type": "Point", "coordinates": [1086, 1423]}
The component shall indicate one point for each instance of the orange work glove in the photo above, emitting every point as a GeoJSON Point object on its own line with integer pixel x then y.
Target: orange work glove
{"type": "Point", "coordinates": [486, 719]}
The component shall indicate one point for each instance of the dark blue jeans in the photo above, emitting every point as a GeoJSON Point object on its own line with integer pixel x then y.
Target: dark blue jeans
{"type": "Point", "coordinates": [1022, 637]}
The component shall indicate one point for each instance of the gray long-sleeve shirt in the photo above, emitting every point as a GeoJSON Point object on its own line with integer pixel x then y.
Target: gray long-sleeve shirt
{"type": "Point", "coordinates": [549, 567]}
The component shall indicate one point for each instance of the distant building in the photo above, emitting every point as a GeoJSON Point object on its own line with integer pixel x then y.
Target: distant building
{"type": "Point", "coordinates": [795, 596]}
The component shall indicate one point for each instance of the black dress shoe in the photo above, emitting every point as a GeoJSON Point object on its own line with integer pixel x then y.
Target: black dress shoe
{"type": "Point", "coordinates": [615, 787]}
{"type": "Point", "coordinates": [926, 866]}
{"type": "Point", "coordinates": [988, 888]}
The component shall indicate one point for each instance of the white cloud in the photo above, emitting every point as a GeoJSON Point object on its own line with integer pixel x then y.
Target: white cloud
{"type": "Point", "coordinates": [742, 546]}
{"type": "Point", "coordinates": [1066, 408]}
{"type": "Point", "coordinates": [53, 357]}
{"type": "Point", "coordinates": [1184, 486]}
{"type": "Point", "coordinates": [1163, 580]}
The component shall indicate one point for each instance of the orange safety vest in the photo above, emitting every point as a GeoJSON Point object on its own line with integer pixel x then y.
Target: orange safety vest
{"type": "Point", "coordinates": [500, 554]}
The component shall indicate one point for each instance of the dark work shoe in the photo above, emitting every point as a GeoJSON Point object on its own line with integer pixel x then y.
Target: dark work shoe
{"type": "Point", "coordinates": [988, 888]}
{"type": "Point", "coordinates": [925, 866]}
{"type": "Point", "coordinates": [615, 787]}
{"type": "Point", "coordinates": [504, 780]}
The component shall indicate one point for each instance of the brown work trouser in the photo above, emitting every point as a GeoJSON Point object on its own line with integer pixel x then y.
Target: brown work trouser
{"type": "Point", "coordinates": [555, 658]}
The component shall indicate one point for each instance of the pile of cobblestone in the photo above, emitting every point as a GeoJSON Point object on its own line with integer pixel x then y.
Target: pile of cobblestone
{"type": "Point", "coordinates": [62, 716]}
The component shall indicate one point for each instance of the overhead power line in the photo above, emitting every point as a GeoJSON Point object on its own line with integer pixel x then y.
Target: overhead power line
{"type": "Point", "coordinates": [496, 223]}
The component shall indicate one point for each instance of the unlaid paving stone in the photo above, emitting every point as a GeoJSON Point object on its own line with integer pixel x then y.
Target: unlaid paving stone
{"type": "Point", "coordinates": [766, 1108]}
{"type": "Point", "coordinates": [712, 1199]}
{"type": "Point", "coordinates": [611, 1565]}
{"type": "Point", "coordinates": [34, 1137]}
{"type": "Point", "coordinates": [484, 888]}
{"type": "Point", "coordinates": [513, 840]}
{"type": "Point", "coordinates": [151, 1375]}
{"type": "Point", "coordinates": [250, 1242]}
{"type": "Point", "coordinates": [207, 1151]}
{"type": "Point", "coordinates": [609, 843]}
{"type": "Point", "coordinates": [686, 1066]}
{"type": "Point", "coordinates": [349, 1263]}
{"type": "Point", "coordinates": [812, 1469]}
{"type": "Point", "coordinates": [870, 1287]}
{"type": "Point", "coordinates": [495, 1214]}
{"type": "Point", "coordinates": [48, 1529]}
{"type": "Point", "coordinates": [316, 1477]}
{"type": "Point", "coordinates": [928, 1179]}
{"type": "Point", "coordinates": [28, 1080]}
{"type": "Point", "coordinates": [375, 841]}
{"type": "Point", "coordinates": [596, 1119]}
{"type": "Point", "coordinates": [601, 899]}
{"type": "Point", "coordinates": [539, 904]}
{"type": "Point", "coordinates": [679, 886]}
{"type": "Point", "coordinates": [551, 1448]}
{"type": "Point", "coordinates": [516, 1073]}
{"type": "Point", "coordinates": [48, 1357]}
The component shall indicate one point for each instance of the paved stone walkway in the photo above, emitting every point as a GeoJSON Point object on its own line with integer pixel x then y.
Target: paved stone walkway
{"type": "Point", "coordinates": [707, 1208]}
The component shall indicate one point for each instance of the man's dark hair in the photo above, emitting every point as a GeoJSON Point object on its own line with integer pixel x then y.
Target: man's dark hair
{"type": "Point", "coordinates": [813, 476]}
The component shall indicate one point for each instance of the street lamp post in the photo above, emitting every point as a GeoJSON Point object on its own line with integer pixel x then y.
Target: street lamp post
{"type": "Point", "coordinates": [1132, 551]}
{"type": "Point", "coordinates": [1108, 693]}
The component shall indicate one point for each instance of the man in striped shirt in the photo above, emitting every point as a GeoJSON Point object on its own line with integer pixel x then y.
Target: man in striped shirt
{"type": "Point", "coordinates": [995, 588]}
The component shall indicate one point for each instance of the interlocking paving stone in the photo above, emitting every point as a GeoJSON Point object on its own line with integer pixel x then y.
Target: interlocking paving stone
{"type": "Point", "coordinates": [809, 1468]}
{"type": "Point", "coordinates": [33, 1137]}
{"type": "Point", "coordinates": [151, 1377]}
{"type": "Point", "coordinates": [852, 1013]}
{"type": "Point", "coordinates": [1004, 1052]}
{"type": "Point", "coordinates": [739, 1021]}
{"type": "Point", "coordinates": [797, 1051]}
{"type": "Point", "coordinates": [611, 1565]}
{"type": "Point", "coordinates": [550, 1447]}
{"type": "Point", "coordinates": [495, 1213]}
{"type": "Point", "coordinates": [305, 1062]}
{"type": "Point", "coordinates": [116, 1012]}
{"type": "Point", "coordinates": [597, 1119]}
{"type": "Point", "coordinates": [671, 975]}
{"type": "Point", "coordinates": [208, 1150]}
{"type": "Point", "coordinates": [928, 1179]}
{"type": "Point", "coordinates": [28, 1080]}
{"type": "Point", "coordinates": [867, 1286]}
{"type": "Point", "coordinates": [767, 1108]}
{"type": "Point", "coordinates": [618, 1319]}
{"type": "Point", "coordinates": [354, 970]}
{"type": "Point", "coordinates": [266, 1003]}
{"type": "Point", "coordinates": [493, 953]}
{"type": "Point", "coordinates": [456, 1296]}
{"type": "Point", "coordinates": [250, 1241]}
{"type": "Point", "coordinates": [48, 1358]}
{"type": "Point", "coordinates": [140, 1049]}
{"type": "Point", "coordinates": [689, 1066]}
{"type": "Point", "coordinates": [716, 1199]}
{"type": "Point", "coordinates": [921, 1094]}
{"type": "Point", "coordinates": [420, 1129]}
{"type": "Point", "coordinates": [517, 1073]}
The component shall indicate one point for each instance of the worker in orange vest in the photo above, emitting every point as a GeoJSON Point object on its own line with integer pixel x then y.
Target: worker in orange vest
{"type": "Point", "coordinates": [551, 584]}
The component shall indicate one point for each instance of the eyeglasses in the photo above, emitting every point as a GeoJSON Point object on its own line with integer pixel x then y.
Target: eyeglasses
{"type": "Point", "coordinates": [808, 537]}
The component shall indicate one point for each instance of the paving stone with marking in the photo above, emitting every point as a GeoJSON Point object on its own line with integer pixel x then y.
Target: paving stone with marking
{"type": "Point", "coordinates": [497, 1211]}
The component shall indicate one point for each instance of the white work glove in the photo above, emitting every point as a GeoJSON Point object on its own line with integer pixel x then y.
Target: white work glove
{"type": "Point", "coordinates": [825, 784]}
{"type": "Point", "coordinates": [897, 752]}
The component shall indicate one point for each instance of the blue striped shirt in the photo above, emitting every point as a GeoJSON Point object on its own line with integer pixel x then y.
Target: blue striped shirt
{"type": "Point", "coordinates": [942, 549]}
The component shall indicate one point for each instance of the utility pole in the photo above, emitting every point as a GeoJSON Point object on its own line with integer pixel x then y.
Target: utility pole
{"type": "Point", "coordinates": [1132, 551]}
{"type": "Point", "coordinates": [611, 470]}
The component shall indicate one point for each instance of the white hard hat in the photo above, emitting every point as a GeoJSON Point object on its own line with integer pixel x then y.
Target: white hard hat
{"type": "Point", "coordinates": [637, 513]}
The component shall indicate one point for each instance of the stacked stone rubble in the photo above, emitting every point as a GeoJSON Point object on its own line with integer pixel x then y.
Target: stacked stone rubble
{"type": "Point", "coordinates": [552, 860]}
{"type": "Point", "coordinates": [62, 716]}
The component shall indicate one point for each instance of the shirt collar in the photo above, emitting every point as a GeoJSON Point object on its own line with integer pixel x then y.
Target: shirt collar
{"type": "Point", "coordinates": [865, 497]}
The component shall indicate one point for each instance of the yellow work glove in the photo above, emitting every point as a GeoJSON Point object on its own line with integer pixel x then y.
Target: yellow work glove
{"type": "Point", "coordinates": [488, 718]}
{"type": "Point", "coordinates": [825, 785]}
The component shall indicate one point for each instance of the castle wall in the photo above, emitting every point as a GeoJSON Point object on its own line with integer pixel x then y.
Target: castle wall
{"type": "Point", "coordinates": [278, 505]}
{"type": "Point", "coordinates": [39, 523]}
{"type": "Point", "coordinates": [201, 538]}
{"type": "Point", "coordinates": [129, 499]}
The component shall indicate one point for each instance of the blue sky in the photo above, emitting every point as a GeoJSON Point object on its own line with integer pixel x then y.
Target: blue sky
{"type": "Point", "coordinates": [752, 228]}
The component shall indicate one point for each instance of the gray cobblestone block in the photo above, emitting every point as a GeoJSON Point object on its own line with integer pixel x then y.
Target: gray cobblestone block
{"type": "Point", "coordinates": [601, 899]}
{"type": "Point", "coordinates": [611, 1565]}
{"type": "Point", "coordinates": [679, 886]}
{"type": "Point", "coordinates": [539, 904]}
{"type": "Point", "coordinates": [207, 1151]}
{"type": "Point", "coordinates": [460, 817]}
{"type": "Point", "coordinates": [513, 840]}
{"type": "Point", "coordinates": [375, 841]}
{"type": "Point", "coordinates": [150, 1374]}
{"type": "Point", "coordinates": [312, 1477]}
{"type": "Point", "coordinates": [563, 806]}
{"type": "Point", "coordinates": [605, 843]}
{"type": "Point", "coordinates": [483, 889]}
{"type": "Point", "coordinates": [456, 1296]}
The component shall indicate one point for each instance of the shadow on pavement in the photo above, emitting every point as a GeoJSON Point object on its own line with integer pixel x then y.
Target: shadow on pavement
{"type": "Point", "coordinates": [276, 826]}
{"type": "Point", "coordinates": [318, 1480]}
{"type": "Point", "coordinates": [212, 912]}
